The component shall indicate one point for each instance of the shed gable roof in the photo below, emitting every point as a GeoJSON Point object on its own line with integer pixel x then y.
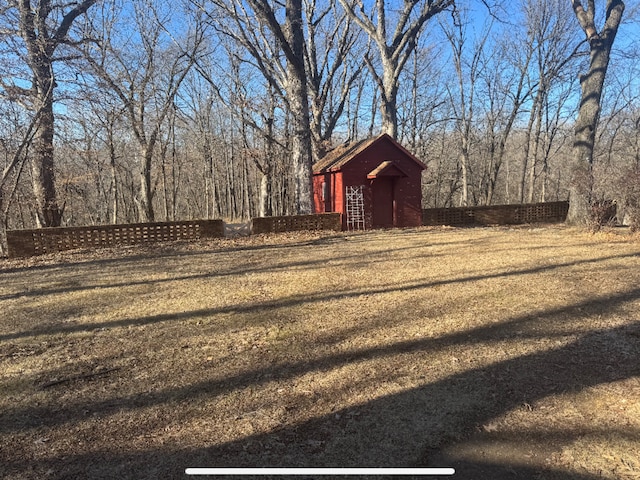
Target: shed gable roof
{"type": "Point", "coordinates": [343, 154]}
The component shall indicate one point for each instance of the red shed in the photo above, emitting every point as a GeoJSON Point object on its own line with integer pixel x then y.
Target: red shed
{"type": "Point", "coordinates": [374, 183]}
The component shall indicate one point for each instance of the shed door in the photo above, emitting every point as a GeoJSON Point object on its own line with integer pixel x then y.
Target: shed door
{"type": "Point", "coordinates": [383, 202]}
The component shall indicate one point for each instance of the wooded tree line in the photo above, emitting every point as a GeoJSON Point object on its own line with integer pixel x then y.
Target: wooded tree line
{"type": "Point", "coordinates": [115, 111]}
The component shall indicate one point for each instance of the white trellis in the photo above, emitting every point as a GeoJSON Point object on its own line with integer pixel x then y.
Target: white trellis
{"type": "Point", "coordinates": [355, 207]}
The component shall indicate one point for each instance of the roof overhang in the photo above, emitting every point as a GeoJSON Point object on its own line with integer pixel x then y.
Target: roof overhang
{"type": "Point", "coordinates": [387, 169]}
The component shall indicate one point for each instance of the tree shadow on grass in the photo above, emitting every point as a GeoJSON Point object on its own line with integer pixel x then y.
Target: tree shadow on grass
{"type": "Point", "coordinates": [133, 254]}
{"type": "Point", "coordinates": [409, 428]}
{"type": "Point", "coordinates": [171, 250]}
{"type": "Point", "coordinates": [76, 285]}
{"type": "Point", "coordinates": [294, 300]}
{"type": "Point", "coordinates": [392, 431]}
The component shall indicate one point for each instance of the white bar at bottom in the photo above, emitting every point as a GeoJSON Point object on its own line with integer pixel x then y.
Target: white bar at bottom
{"type": "Point", "coordinates": [320, 471]}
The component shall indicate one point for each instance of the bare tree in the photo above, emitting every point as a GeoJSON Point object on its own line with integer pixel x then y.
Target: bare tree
{"type": "Point", "coordinates": [592, 84]}
{"type": "Point", "coordinates": [506, 91]}
{"type": "Point", "coordinates": [255, 21]}
{"type": "Point", "coordinates": [43, 27]}
{"type": "Point", "coordinates": [423, 104]}
{"type": "Point", "coordinates": [463, 101]}
{"type": "Point", "coordinates": [146, 78]}
{"type": "Point", "coordinates": [395, 44]}
{"type": "Point", "coordinates": [553, 45]}
{"type": "Point", "coordinates": [333, 62]}
{"type": "Point", "coordinates": [250, 50]}
{"type": "Point", "coordinates": [15, 140]}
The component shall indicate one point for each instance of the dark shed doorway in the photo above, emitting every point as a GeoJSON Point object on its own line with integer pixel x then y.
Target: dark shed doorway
{"type": "Point", "coordinates": [383, 179]}
{"type": "Point", "coordinates": [383, 202]}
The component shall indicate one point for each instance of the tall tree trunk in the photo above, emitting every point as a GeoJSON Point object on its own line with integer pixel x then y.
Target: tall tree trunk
{"type": "Point", "coordinates": [299, 104]}
{"type": "Point", "coordinates": [48, 213]}
{"type": "Point", "coordinates": [591, 85]}
{"type": "Point", "coordinates": [266, 209]}
{"type": "Point", "coordinates": [114, 186]}
{"type": "Point", "coordinates": [464, 165]}
{"type": "Point", "coordinates": [145, 209]}
{"type": "Point", "coordinates": [43, 28]}
{"type": "Point", "coordinates": [300, 147]}
{"type": "Point", "coordinates": [266, 169]}
{"type": "Point", "coordinates": [388, 97]}
{"type": "Point", "coordinates": [536, 149]}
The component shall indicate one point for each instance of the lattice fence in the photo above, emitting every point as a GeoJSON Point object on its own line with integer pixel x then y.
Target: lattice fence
{"type": "Point", "coordinates": [320, 221]}
{"type": "Point", "coordinates": [26, 243]}
{"type": "Point", "coordinates": [355, 207]}
{"type": "Point", "coordinates": [548, 212]}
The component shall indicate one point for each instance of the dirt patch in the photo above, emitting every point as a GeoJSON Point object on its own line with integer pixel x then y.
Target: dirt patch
{"type": "Point", "coordinates": [505, 353]}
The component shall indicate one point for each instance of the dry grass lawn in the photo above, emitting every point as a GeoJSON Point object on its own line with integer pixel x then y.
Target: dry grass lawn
{"type": "Point", "coordinates": [505, 353]}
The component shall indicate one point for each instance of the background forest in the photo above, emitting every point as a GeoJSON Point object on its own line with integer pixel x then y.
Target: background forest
{"type": "Point", "coordinates": [164, 110]}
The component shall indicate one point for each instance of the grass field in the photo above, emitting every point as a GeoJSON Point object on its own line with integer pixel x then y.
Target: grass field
{"type": "Point", "coordinates": [505, 353]}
